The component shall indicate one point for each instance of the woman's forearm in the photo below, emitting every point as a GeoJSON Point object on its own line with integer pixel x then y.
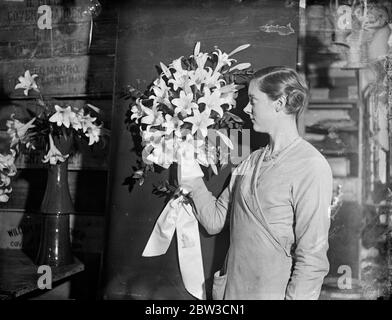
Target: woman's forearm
{"type": "Point", "coordinates": [210, 211]}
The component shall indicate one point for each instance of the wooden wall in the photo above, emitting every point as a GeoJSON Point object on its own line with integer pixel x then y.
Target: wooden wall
{"type": "Point", "coordinates": [154, 31]}
{"type": "Point", "coordinates": [74, 61]}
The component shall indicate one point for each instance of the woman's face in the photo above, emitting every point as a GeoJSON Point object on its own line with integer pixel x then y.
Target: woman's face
{"type": "Point", "coordinates": [260, 109]}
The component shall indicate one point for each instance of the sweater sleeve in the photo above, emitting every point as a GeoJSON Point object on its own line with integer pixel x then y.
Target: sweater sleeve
{"type": "Point", "coordinates": [312, 196]}
{"type": "Point", "coordinates": [210, 211]}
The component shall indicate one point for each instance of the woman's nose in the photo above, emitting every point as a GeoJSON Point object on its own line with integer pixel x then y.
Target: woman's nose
{"type": "Point", "coordinates": [248, 109]}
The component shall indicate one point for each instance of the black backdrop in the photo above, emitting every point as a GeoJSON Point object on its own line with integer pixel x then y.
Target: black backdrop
{"type": "Point", "coordinates": [162, 30]}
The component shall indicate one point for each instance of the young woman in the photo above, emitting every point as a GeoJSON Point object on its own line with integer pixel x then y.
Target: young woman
{"type": "Point", "coordinates": [277, 202]}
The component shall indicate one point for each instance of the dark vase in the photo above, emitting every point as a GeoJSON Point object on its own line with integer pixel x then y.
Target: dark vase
{"type": "Point", "coordinates": [55, 243]}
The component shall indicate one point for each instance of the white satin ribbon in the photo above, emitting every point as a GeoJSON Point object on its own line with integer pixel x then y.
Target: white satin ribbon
{"type": "Point", "coordinates": [178, 216]}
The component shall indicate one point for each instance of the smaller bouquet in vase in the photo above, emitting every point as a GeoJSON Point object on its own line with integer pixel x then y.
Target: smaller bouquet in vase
{"type": "Point", "coordinates": [51, 128]}
{"type": "Point", "coordinates": [7, 170]}
{"type": "Point", "coordinates": [51, 132]}
{"type": "Point", "coordinates": [183, 118]}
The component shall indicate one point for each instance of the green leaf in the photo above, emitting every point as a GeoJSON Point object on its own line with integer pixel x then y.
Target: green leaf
{"type": "Point", "coordinates": [234, 117]}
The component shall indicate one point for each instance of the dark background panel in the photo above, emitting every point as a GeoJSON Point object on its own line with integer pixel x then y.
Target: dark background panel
{"type": "Point", "coordinates": [155, 31]}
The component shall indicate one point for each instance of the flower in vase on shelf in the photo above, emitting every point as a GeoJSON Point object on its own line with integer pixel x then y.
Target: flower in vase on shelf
{"type": "Point", "coordinates": [49, 128]}
{"type": "Point", "coordinates": [7, 170]}
{"type": "Point", "coordinates": [184, 117]}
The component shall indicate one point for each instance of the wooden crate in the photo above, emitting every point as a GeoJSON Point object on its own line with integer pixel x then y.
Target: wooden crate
{"type": "Point", "coordinates": [20, 230]}
{"type": "Point", "coordinates": [62, 76]}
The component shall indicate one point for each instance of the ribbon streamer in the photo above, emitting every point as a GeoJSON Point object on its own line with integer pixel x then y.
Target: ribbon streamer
{"type": "Point", "coordinates": [178, 216]}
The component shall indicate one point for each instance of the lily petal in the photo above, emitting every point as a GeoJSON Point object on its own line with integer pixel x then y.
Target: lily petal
{"type": "Point", "coordinates": [196, 51]}
{"type": "Point", "coordinates": [240, 48]}
{"type": "Point", "coordinates": [241, 66]}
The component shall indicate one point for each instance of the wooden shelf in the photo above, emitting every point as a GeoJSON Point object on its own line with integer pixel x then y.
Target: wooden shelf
{"type": "Point", "coordinates": [18, 274]}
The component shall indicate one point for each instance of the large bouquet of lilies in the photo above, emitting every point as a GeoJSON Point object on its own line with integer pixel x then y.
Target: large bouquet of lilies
{"type": "Point", "coordinates": [187, 108]}
{"type": "Point", "coordinates": [46, 128]}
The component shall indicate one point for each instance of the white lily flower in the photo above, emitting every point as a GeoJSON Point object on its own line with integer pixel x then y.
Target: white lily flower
{"type": "Point", "coordinates": [137, 111]}
{"type": "Point", "coordinates": [63, 116]}
{"type": "Point", "coordinates": [184, 103]}
{"type": "Point", "coordinates": [228, 94]}
{"type": "Point", "coordinates": [83, 121]}
{"type": "Point", "coordinates": [212, 79]}
{"type": "Point", "coordinates": [180, 76]}
{"type": "Point", "coordinates": [200, 121]}
{"type": "Point", "coordinates": [7, 164]}
{"type": "Point", "coordinates": [198, 77]}
{"type": "Point", "coordinates": [230, 88]}
{"type": "Point", "coordinates": [212, 100]}
{"type": "Point", "coordinates": [3, 194]}
{"type": "Point", "coordinates": [5, 180]}
{"type": "Point", "coordinates": [93, 132]}
{"type": "Point", "coordinates": [172, 124]}
{"type": "Point", "coordinates": [161, 92]}
{"type": "Point", "coordinates": [154, 116]}
{"type": "Point", "coordinates": [152, 136]}
{"type": "Point", "coordinates": [54, 155]}
{"type": "Point", "coordinates": [180, 81]}
{"type": "Point", "coordinates": [76, 122]}
{"type": "Point", "coordinates": [201, 59]}
{"type": "Point", "coordinates": [27, 83]}
{"type": "Point", "coordinates": [177, 65]}
{"type": "Point", "coordinates": [223, 59]}
{"type": "Point", "coordinates": [163, 153]}
{"type": "Point", "coordinates": [17, 129]}
{"type": "Point", "coordinates": [229, 99]}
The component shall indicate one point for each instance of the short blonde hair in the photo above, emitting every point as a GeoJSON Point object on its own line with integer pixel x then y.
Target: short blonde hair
{"type": "Point", "coordinates": [278, 81]}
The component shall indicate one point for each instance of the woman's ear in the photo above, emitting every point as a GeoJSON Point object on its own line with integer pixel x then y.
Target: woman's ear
{"type": "Point", "coordinates": [280, 103]}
